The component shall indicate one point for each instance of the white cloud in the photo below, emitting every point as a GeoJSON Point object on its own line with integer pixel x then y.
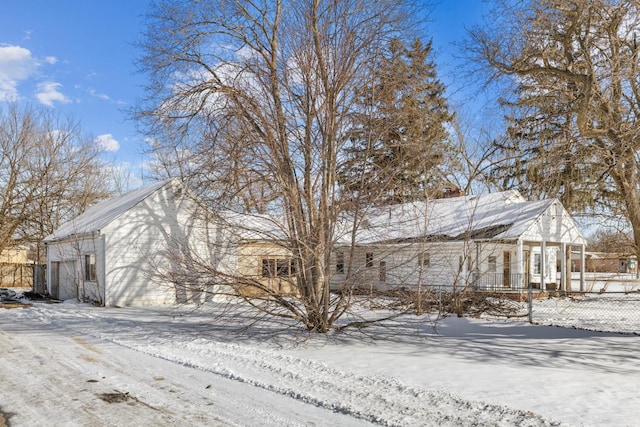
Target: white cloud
{"type": "Point", "coordinates": [48, 93]}
{"type": "Point", "coordinates": [93, 92]}
{"type": "Point", "coordinates": [16, 65]}
{"type": "Point", "coordinates": [107, 142]}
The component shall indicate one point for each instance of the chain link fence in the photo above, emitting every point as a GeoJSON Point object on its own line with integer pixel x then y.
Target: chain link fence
{"type": "Point", "coordinates": [614, 307]}
{"type": "Point", "coordinates": [611, 311]}
{"type": "Point", "coordinates": [608, 303]}
{"type": "Point", "coordinates": [605, 302]}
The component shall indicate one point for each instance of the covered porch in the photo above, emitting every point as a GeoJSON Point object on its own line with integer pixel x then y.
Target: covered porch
{"type": "Point", "coordinates": [523, 266]}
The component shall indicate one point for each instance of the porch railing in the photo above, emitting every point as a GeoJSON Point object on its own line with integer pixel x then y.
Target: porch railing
{"type": "Point", "coordinates": [500, 282]}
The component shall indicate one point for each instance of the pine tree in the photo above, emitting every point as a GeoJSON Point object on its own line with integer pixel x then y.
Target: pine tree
{"type": "Point", "coordinates": [399, 137]}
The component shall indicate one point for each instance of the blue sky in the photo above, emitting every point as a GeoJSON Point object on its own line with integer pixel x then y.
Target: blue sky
{"type": "Point", "coordinates": [78, 58]}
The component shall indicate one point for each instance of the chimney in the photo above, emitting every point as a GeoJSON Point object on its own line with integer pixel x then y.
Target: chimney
{"type": "Point", "coordinates": [453, 192]}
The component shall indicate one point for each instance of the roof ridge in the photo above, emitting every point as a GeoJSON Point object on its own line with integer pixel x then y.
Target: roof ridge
{"type": "Point", "coordinates": [105, 212]}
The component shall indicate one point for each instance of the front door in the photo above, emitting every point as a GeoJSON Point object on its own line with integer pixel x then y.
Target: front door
{"type": "Point", "coordinates": [506, 262]}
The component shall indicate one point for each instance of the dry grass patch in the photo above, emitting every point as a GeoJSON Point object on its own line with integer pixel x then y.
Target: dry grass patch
{"type": "Point", "coordinates": [9, 305]}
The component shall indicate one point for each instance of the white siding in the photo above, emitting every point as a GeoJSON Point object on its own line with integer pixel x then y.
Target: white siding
{"type": "Point", "coordinates": [143, 247]}
{"type": "Point", "coordinates": [139, 254]}
{"type": "Point", "coordinates": [70, 254]}
{"type": "Point", "coordinates": [554, 225]}
{"type": "Point", "coordinates": [450, 264]}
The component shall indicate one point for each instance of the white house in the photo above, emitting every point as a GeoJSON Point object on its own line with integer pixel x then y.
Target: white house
{"type": "Point", "coordinates": [121, 251]}
{"type": "Point", "coordinates": [129, 250]}
{"type": "Point", "coordinates": [495, 241]}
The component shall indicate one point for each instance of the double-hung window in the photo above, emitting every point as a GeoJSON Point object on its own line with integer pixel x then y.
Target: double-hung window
{"type": "Point", "coordinates": [492, 264]}
{"type": "Point", "coordinates": [382, 271]}
{"type": "Point", "coordinates": [537, 268]}
{"type": "Point", "coordinates": [424, 259]}
{"type": "Point", "coordinates": [340, 262]}
{"type": "Point", "coordinates": [90, 267]}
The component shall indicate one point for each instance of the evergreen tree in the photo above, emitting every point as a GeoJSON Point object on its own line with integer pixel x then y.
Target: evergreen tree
{"type": "Point", "coordinates": [399, 137]}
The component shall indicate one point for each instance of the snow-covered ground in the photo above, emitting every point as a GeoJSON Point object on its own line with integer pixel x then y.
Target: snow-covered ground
{"type": "Point", "coordinates": [75, 364]}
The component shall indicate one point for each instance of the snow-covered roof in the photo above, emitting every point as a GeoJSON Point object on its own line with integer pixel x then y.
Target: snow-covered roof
{"type": "Point", "coordinates": [99, 215]}
{"type": "Point", "coordinates": [254, 226]}
{"type": "Point", "coordinates": [94, 219]}
{"type": "Point", "coordinates": [501, 216]}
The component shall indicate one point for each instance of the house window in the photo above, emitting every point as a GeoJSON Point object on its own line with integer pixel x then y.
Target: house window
{"type": "Point", "coordinates": [424, 259]}
{"type": "Point", "coordinates": [369, 259]}
{"type": "Point", "coordinates": [382, 271]}
{"type": "Point", "coordinates": [268, 267]}
{"type": "Point", "coordinates": [278, 267]}
{"type": "Point", "coordinates": [340, 262]}
{"type": "Point", "coordinates": [536, 264]}
{"type": "Point", "coordinates": [492, 264]}
{"type": "Point", "coordinates": [90, 267]}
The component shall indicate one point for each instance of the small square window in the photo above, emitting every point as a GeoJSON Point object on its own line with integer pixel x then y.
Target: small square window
{"type": "Point", "coordinates": [282, 267]}
{"type": "Point", "coordinates": [268, 267]}
{"type": "Point", "coordinates": [369, 259]}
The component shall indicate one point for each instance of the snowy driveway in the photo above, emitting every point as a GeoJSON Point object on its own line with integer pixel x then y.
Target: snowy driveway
{"type": "Point", "coordinates": [81, 365]}
{"type": "Point", "coordinates": [56, 376]}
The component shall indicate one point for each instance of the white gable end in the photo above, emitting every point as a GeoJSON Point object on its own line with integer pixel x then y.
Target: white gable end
{"type": "Point", "coordinates": [555, 225]}
{"type": "Point", "coordinates": [138, 242]}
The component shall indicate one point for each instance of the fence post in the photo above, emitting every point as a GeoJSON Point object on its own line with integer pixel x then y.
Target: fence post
{"type": "Point", "coordinates": [530, 302]}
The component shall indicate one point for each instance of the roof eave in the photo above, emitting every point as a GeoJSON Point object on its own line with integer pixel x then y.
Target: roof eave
{"type": "Point", "coordinates": [74, 236]}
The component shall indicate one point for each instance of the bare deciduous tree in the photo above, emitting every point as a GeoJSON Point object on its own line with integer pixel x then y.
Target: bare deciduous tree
{"type": "Point", "coordinates": [250, 102]}
{"type": "Point", "coordinates": [611, 240]}
{"type": "Point", "coordinates": [469, 165]}
{"type": "Point", "coordinates": [574, 132]}
{"type": "Point", "coordinates": [48, 174]}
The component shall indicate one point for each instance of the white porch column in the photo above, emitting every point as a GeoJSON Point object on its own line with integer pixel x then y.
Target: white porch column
{"type": "Point", "coordinates": [582, 268]}
{"type": "Point", "coordinates": [519, 261]}
{"type": "Point", "coordinates": [543, 252]}
{"type": "Point", "coordinates": [477, 269]}
{"type": "Point", "coordinates": [563, 266]}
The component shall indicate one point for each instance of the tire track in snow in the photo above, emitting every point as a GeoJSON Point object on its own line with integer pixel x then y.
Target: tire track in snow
{"type": "Point", "coordinates": [376, 399]}
{"type": "Point", "coordinates": [380, 400]}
